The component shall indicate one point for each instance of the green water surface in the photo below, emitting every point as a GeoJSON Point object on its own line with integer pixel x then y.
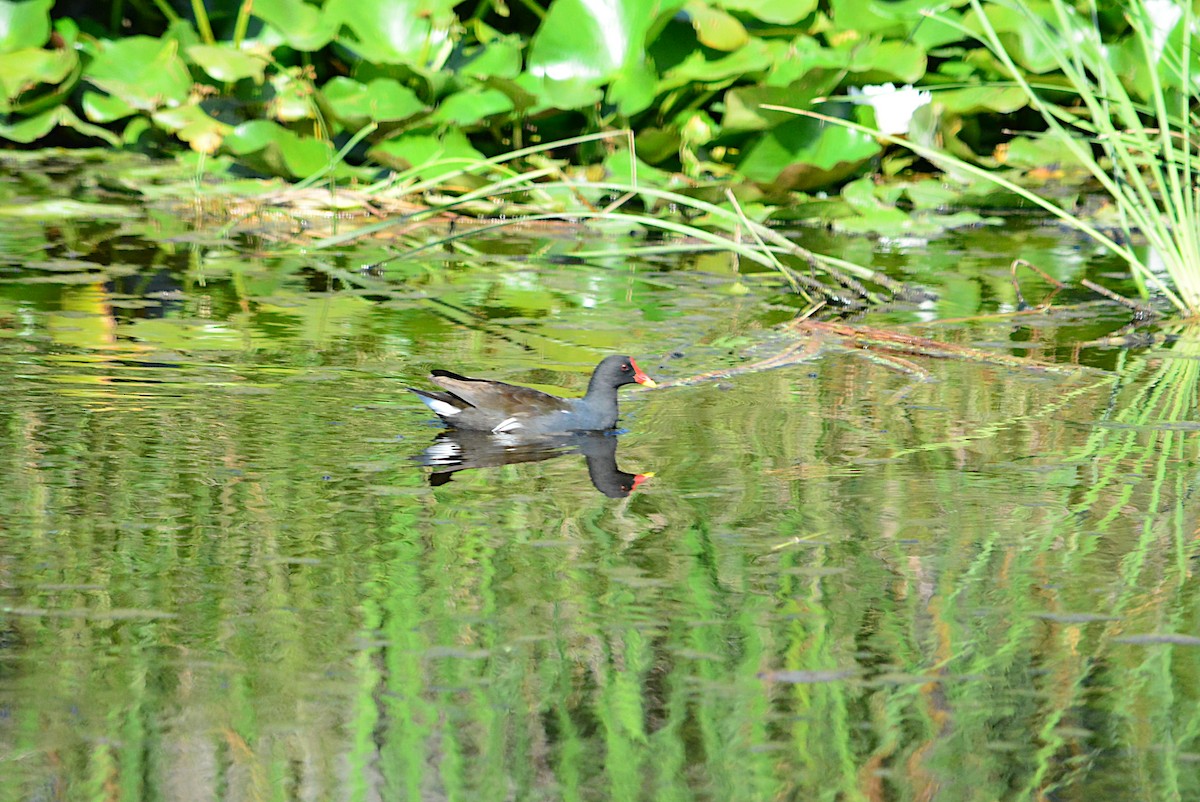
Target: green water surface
{"type": "Point", "coordinates": [223, 575]}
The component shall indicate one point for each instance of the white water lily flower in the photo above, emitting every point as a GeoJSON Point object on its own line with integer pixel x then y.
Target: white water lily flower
{"type": "Point", "coordinates": [894, 107]}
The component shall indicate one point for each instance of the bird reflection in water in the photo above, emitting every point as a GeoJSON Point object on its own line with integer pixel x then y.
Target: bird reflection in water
{"type": "Point", "coordinates": [460, 450]}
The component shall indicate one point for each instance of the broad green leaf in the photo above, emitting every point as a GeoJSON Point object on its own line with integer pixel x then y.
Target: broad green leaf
{"type": "Point", "coordinates": [472, 106]}
{"type": "Point", "coordinates": [715, 28]}
{"type": "Point", "coordinates": [499, 58]}
{"type": "Point", "coordinates": [743, 110]}
{"type": "Point", "coordinates": [887, 61]}
{"type": "Point", "coordinates": [22, 70]}
{"type": "Point", "coordinates": [393, 31]}
{"type": "Point", "coordinates": [583, 44]}
{"type": "Point", "coordinates": [273, 149]}
{"type": "Point", "coordinates": [302, 25]}
{"type": "Point", "coordinates": [416, 150]}
{"type": "Point", "coordinates": [224, 62]}
{"type": "Point", "coordinates": [1047, 150]}
{"type": "Point", "coordinates": [804, 153]}
{"type": "Point", "coordinates": [24, 24]}
{"type": "Point", "coordinates": [382, 100]}
{"type": "Point", "coordinates": [937, 30]}
{"type": "Point", "coordinates": [974, 99]}
{"type": "Point", "coordinates": [805, 58]}
{"type": "Point", "coordinates": [877, 16]}
{"type": "Point", "coordinates": [778, 12]}
{"type": "Point", "coordinates": [105, 108]}
{"type": "Point", "coordinates": [34, 128]}
{"type": "Point", "coordinates": [143, 71]}
{"type": "Point", "coordinates": [633, 90]}
{"type": "Point", "coordinates": [572, 93]}
{"type": "Point", "coordinates": [753, 58]}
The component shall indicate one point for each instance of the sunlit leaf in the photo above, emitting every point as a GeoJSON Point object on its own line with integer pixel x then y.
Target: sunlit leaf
{"type": "Point", "coordinates": [974, 99]}
{"type": "Point", "coordinates": [413, 150]}
{"type": "Point", "coordinates": [779, 12]}
{"type": "Point", "coordinates": [143, 71]}
{"type": "Point", "coordinates": [472, 106]}
{"type": "Point", "coordinates": [716, 28]}
{"type": "Point", "coordinates": [877, 16]}
{"type": "Point", "coordinates": [382, 100]}
{"type": "Point", "coordinates": [24, 24]}
{"type": "Point", "coordinates": [302, 25]}
{"type": "Point", "coordinates": [105, 108]}
{"type": "Point", "coordinates": [633, 90]}
{"type": "Point", "coordinates": [804, 153]}
{"type": "Point", "coordinates": [225, 62]}
{"type": "Point", "coordinates": [34, 128]}
{"type": "Point", "coordinates": [582, 44]}
{"type": "Point", "coordinates": [890, 60]}
{"type": "Point", "coordinates": [499, 58]}
{"type": "Point", "coordinates": [393, 31]}
{"type": "Point", "coordinates": [805, 58]}
{"type": "Point", "coordinates": [274, 149]}
{"type": "Point", "coordinates": [755, 56]}
{"type": "Point", "coordinates": [22, 70]}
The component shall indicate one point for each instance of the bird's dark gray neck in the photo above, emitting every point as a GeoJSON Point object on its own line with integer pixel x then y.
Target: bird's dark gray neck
{"type": "Point", "coordinates": [598, 389]}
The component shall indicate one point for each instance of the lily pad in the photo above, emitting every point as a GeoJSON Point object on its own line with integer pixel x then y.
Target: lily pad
{"type": "Point", "coordinates": [393, 31]}
{"type": "Point", "coordinates": [143, 71]}
{"type": "Point", "coordinates": [805, 153]}
{"type": "Point", "coordinates": [24, 25]}
{"type": "Point", "coordinates": [302, 25]}
{"type": "Point", "coordinates": [414, 150]}
{"type": "Point", "coordinates": [473, 106]}
{"type": "Point", "coordinates": [275, 150]}
{"type": "Point", "coordinates": [34, 128]}
{"type": "Point", "coordinates": [224, 62]}
{"type": "Point", "coordinates": [381, 100]}
{"type": "Point", "coordinates": [22, 70]}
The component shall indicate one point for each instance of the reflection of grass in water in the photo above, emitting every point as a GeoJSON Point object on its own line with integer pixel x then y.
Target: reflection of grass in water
{"type": "Point", "coordinates": [521, 632]}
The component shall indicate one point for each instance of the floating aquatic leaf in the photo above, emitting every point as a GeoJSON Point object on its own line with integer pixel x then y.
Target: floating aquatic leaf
{"type": "Point", "coordinates": [715, 28]}
{"type": "Point", "coordinates": [24, 25]}
{"type": "Point", "coordinates": [302, 25]}
{"type": "Point", "coordinates": [381, 100]}
{"type": "Point", "coordinates": [224, 62]}
{"type": "Point", "coordinates": [473, 106]}
{"type": "Point", "coordinates": [274, 149]}
{"type": "Point", "coordinates": [780, 12]}
{"type": "Point", "coordinates": [581, 44]}
{"type": "Point", "coordinates": [23, 70]}
{"type": "Point", "coordinates": [143, 71]}
{"type": "Point", "coordinates": [393, 31]}
{"type": "Point", "coordinates": [805, 153]}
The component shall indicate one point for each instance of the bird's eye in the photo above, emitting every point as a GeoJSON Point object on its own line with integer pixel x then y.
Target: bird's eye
{"type": "Point", "coordinates": [625, 367]}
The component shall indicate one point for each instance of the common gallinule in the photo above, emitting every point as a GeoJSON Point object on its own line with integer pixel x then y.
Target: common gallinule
{"type": "Point", "coordinates": [492, 406]}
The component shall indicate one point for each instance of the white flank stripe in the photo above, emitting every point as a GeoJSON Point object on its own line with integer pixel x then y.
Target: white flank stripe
{"type": "Point", "coordinates": [442, 407]}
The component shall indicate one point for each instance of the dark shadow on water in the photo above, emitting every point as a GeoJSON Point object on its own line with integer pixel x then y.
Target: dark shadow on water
{"type": "Point", "coordinates": [455, 450]}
